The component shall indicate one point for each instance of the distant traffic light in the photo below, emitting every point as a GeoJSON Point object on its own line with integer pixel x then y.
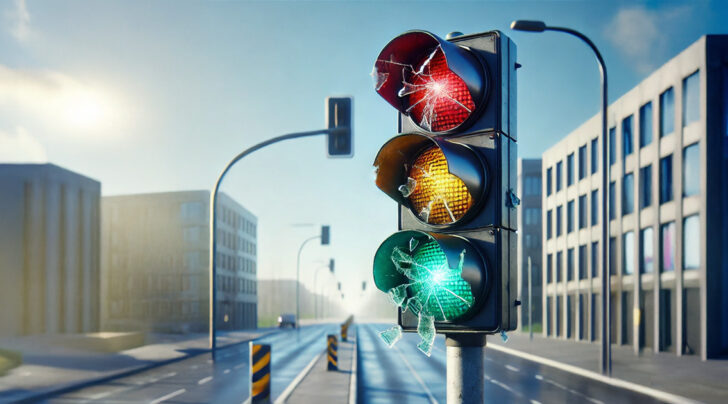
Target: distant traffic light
{"type": "Point", "coordinates": [452, 170]}
{"type": "Point", "coordinates": [339, 117]}
{"type": "Point", "coordinates": [325, 235]}
{"type": "Point", "coordinates": [331, 265]}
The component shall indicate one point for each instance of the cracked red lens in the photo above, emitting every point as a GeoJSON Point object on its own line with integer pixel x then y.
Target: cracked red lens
{"type": "Point", "coordinates": [439, 99]}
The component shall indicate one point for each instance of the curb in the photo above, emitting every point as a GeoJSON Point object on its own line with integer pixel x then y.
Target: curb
{"type": "Point", "coordinates": [353, 379]}
{"type": "Point", "coordinates": [291, 387]}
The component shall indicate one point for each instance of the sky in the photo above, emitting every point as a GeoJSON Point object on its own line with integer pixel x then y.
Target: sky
{"type": "Point", "coordinates": [152, 96]}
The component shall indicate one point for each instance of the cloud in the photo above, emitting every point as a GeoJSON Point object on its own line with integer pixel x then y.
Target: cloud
{"type": "Point", "coordinates": [640, 34]}
{"type": "Point", "coordinates": [18, 19]}
{"type": "Point", "coordinates": [20, 147]}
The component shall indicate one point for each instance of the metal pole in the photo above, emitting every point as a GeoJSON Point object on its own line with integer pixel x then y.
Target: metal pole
{"type": "Point", "coordinates": [530, 302]}
{"type": "Point", "coordinates": [465, 373]}
{"type": "Point", "coordinates": [213, 223]}
{"type": "Point", "coordinates": [605, 359]}
{"type": "Point", "coordinates": [298, 282]}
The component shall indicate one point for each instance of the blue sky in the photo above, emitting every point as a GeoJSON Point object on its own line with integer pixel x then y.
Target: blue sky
{"type": "Point", "coordinates": [158, 96]}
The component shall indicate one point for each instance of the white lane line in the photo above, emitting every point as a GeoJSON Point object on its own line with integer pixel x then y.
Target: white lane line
{"type": "Point", "coordinates": [622, 384]}
{"type": "Point", "coordinates": [226, 371]}
{"type": "Point", "coordinates": [168, 396]}
{"type": "Point", "coordinates": [204, 380]}
{"type": "Point", "coordinates": [512, 368]}
{"type": "Point", "coordinates": [535, 402]}
{"type": "Point", "coordinates": [236, 367]}
{"type": "Point", "coordinates": [287, 392]}
{"type": "Point", "coordinates": [417, 377]}
{"type": "Point", "coordinates": [193, 367]}
{"type": "Point", "coordinates": [506, 387]}
{"type": "Point", "coordinates": [107, 393]}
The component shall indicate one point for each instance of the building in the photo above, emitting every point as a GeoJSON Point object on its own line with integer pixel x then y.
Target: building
{"type": "Point", "coordinates": [529, 242]}
{"type": "Point", "coordinates": [49, 250]}
{"type": "Point", "coordinates": [155, 262]}
{"type": "Point", "coordinates": [668, 144]}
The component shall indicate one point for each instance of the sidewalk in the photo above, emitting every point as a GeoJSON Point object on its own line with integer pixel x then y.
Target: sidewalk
{"type": "Point", "coordinates": [686, 376]}
{"type": "Point", "coordinates": [48, 368]}
{"type": "Point", "coordinates": [324, 386]}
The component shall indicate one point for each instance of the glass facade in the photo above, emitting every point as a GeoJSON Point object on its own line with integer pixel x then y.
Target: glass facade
{"type": "Point", "coordinates": [627, 136]}
{"type": "Point", "coordinates": [628, 253]}
{"type": "Point", "coordinates": [691, 242]}
{"type": "Point", "coordinates": [570, 216]}
{"type": "Point", "coordinates": [666, 179]}
{"type": "Point", "coordinates": [595, 155]}
{"type": "Point", "coordinates": [691, 99]}
{"type": "Point", "coordinates": [582, 212]}
{"type": "Point", "coordinates": [645, 186]}
{"type": "Point", "coordinates": [612, 145]}
{"type": "Point", "coordinates": [595, 207]}
{"type": "Point", "coordinates": [646, 124]}
{"type": "Point", "coordinates": [691, 170]}
{"type": "Point", "coordinates": [570, 169]}
{"type": "Point", "coordinates": [667, 246]}
{"type": "Point", "coordinates": [667, 112]}
{"type": "Point", "coordinates": [647, 250]}
{"type": "Point", "coordinates": [628, 194]}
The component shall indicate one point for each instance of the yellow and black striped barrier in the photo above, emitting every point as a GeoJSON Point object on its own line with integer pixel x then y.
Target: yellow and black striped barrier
{"type": "Point", "coordinates": [344, 330]}
{"type": "Point", "coordinates": [332, 346]}
{"type": "Point", "coordinates": [259, 373]}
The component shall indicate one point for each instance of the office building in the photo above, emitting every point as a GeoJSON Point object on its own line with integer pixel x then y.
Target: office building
{"type": "Point", "coordinates": [155, 262]}
{"type": "Point", "coordinates": [668, 198]}
{"type": "Point", "coordinates": [529, 242]}
{"type": "Point", "coordinates": [49, 250]}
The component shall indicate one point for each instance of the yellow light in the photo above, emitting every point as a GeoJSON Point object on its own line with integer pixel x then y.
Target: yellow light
{"type": "Point", "coordinates": [438, 196]}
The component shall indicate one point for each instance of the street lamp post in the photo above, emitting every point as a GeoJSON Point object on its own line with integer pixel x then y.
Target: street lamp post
{"type": "Point", "coordinates": [606, 348]}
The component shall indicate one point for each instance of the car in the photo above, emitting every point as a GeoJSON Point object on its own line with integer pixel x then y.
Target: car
{"type": "Point", "coordinates": [287, 319]}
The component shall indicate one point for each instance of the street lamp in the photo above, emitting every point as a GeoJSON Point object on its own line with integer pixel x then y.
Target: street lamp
{"type": "Point", "coordinates": [606, 347]}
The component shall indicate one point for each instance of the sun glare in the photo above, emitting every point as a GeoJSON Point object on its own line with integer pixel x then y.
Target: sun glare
{"type": "Point", "coordinates": [85, 110]}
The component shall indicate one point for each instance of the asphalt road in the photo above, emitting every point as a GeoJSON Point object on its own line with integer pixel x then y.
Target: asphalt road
{"type": "Point", "coordinates": [403, 374]}
{"type": "Point", "coordinates": [201, 380]}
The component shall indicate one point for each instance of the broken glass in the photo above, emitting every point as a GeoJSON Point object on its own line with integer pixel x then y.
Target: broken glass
{"type": "Point", "coordinates": [398, 294]}
{"type": "Point", "coordinates": [426, 331]}
{"type": "Point", "coordinates": [391, 335]}
{"type": "Point", "coordinates": [408, 188]}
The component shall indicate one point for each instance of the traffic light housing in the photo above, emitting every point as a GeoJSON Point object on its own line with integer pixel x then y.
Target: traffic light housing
{"type": "Point", "coordinates": [452, 170]}
{"type": "Point", "coordinates": [340, 142]}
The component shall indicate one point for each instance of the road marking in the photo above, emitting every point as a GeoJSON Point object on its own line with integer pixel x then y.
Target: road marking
{"type": "Point", "coordinates": [506, 387]}
{"type": "Point", "coordinates": [512, 368]}
{"type": "Point", "coordinates": [538, 377]}
{"type": "Point", "coordinates": [193, 367]}
{"type": "Point", "coordinates": [622, 384]}
{"type": "Point", "coordinates": [535, 402]}
{"type": "Point", "coordinates": [204, 380]}
{"type": "Point", "coordinates": [489, 360]}
{"type": "Point", "coordinates": [572, 391]}
{"type": "Point", "coordinates": [107, 393]}
{"type": "Point", "coordinates": [168, 396]}
{"type": "Point", "coordinates": [226, 371]}
{"type": "Point", "coordinates": [417, 377]}
{"type": "Point", "coordinates": [236, 367]}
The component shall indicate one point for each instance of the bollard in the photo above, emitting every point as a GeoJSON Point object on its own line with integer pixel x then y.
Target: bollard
{"type": "Point", "coordinates": [259, 373]}
{"type": "Point", "coordinates": [331, 349]}
{"type": "Point", "coordinates": [344, 330]}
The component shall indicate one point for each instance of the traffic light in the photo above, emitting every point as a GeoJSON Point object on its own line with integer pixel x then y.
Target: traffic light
{"type": "Point", "coordinates": [339, 118]}
{"type": "Point", "coordinates": [325, 235]}
{"type": "Point", "coordinates": [452, 170]}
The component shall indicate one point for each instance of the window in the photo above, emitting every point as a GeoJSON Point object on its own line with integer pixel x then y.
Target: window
{"type": "Point", "coordinates": [612, 200]}
{"type": "Point", "coordinates": [548, 181]}
{"type": "Point", "coordinates": [582, 212]}
{"type": "Point", "coordinates": [595, 259]}
{"type": "Point", "coordinates": [646, 124]}
{"type": "Point", "coordinates": [570, 216]}
{"type": "Point", "coordinates": [192, 210]}
{"type": "Point", "coordinates": [667, 246]}
{"type": "Point", "coordinates": [595, 207]}
{"type": "Point", "coordinates": [570, 264]}
{"type": "Point", "coordinates": [691, 242]}
{"type": "Point", "coordinates": [191, 234]}
{"type": "Point", "coordinates": [548, 224]}
{"type": "Point", "coordinates": [533, 186]}
{"type": "Point", "coordinates": [559, 171]}
{"type": "Point", "coordinates": [645, 186]}
{"type": "Point", "coordinates": [532, 216]}
{"type": "Point", "coordinates": [691, 170]}
{"type": "Point", "coordinates": [549, 269]}
{"type": "Point", "coordinates": [559, 265]}
{"type": "Point", "coordinates": [612, 256]}
{"type": "Point", "coordinates": [570, 169]}
{"type": "Point", "coordinates": [647, 251]}
{"type": "Point", "coordinates": [582, 262]}
{"type": "Point", "coordinates": [666, 179]}
{"type": "Point", "coordinates": [691, 99]}
{"type": "Point", "coordinates": [595, 155]}
{"type": "Point", "coordinates": [627, 136]}
{"type": "Point", "coordinates": [628, 194]}
{"type": "Point", "coordinates": [612, 145]}
{"type": "Point", "coordinates": [667, 112]}
{"type": "Point", "coordinates": [628, 253]}
{"type": "Point", "coordinates": [582, 162]}
{"type": "Point", "coordinates": [558, 221]}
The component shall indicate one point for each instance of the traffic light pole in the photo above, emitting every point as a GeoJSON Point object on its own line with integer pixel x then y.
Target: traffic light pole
{"type": "Point", "coordinates": [213, 222]}
{"type": "Point", "coordinates": [465, 372]}
{"type": "Point", "coordinates": [298, 281]}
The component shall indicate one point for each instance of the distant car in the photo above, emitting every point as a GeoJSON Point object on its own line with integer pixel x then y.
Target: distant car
{"type": "Point", "coordinates": [287, 319]}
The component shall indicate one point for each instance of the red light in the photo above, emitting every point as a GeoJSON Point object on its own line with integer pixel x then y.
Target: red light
{"type": "Point", "coordinates": [439, 100]}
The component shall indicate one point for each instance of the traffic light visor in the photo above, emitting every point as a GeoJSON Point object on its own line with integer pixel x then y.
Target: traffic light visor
{"type": "Point", "coordinates": [435, 275]}
{"type": "Point", "coordinates": [439, 180]}
{"type": "Point", "coordinates": [436, 83]}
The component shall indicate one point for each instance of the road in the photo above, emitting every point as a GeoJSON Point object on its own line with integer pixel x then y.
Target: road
{"type": "Point", "coordinates": [201, 380]}
{"type": "Point", "coordinates": [403, 374]}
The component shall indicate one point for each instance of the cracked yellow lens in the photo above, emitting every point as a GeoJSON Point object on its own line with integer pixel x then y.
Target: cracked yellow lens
{"type": "Point", "coordinates": [438, 197]}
